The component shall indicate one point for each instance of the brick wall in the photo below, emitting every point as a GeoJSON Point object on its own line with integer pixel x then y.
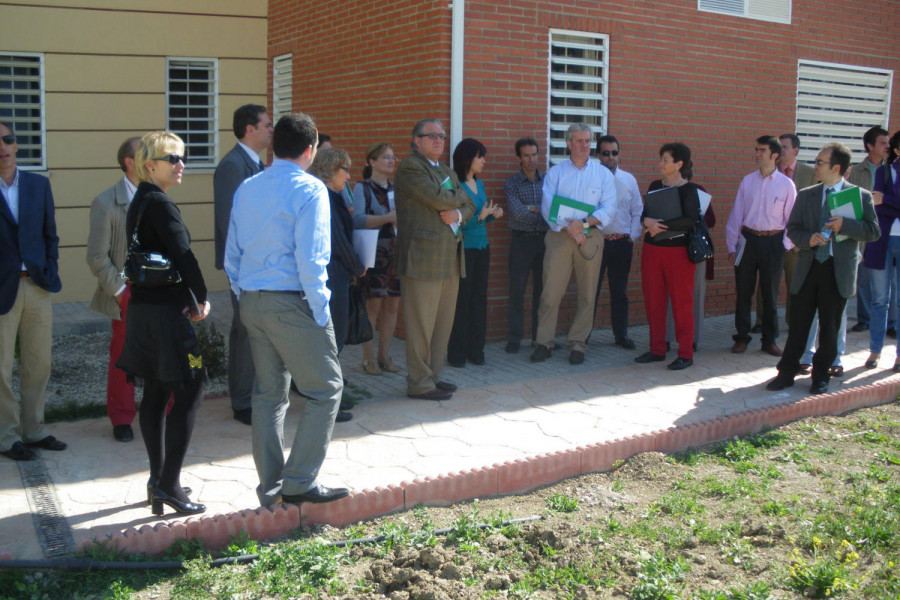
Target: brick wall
{"type": "Point", "coordinates": [714, 82]}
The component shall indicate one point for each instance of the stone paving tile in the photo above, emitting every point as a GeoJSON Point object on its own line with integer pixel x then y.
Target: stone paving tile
{"type": "Point", "coordinates": [510, 409]}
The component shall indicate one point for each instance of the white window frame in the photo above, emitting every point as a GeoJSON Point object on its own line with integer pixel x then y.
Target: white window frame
{"type": "Point", "coordinates": [213, 119]}
{"type": "Point", "coordinates": [560, 117]}
{"type": "Point", "coordinates": [762, 10]}
{"type": "Point", "coordinates": [838, 103]}
{"type": "Point", "coordinates": [6, 109]}
{"type": "Point", "coordinates": [282, 86]}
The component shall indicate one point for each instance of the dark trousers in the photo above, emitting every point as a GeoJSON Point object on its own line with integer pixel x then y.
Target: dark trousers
{"type": "Point", "coordinates": [763, 255]}
{"type": "Point", "coordinates": [240, 364]}
{"type": "Point", "coordinates": [818, 293]}
{"type": "Point", "coordinates": [339, 304]}
{"type": "Point", "coordinates": [526, 255]}
{"type": "Point", "coordinates": [470, 321]}
{"type": "Point", "coordinates": [616, 265]}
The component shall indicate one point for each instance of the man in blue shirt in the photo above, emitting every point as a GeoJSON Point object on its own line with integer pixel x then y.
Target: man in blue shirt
{"type": "Point", "coordinates": [276, 254]}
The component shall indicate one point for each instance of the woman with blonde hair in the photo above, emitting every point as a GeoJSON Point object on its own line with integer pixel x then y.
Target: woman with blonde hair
{"type": "Point", "coordinates": [160, 342]}
{"type": "Point", "coordinates": [373, 208]}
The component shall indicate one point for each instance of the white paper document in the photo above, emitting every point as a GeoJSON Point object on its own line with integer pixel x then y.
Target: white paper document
{"type": "Point", "coordinates": [365, 243]}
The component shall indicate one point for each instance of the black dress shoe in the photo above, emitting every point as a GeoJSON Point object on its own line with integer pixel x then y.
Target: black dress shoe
{"type": "Point", "coordinates": [346, 405]}
{"type": "Point", "coordinates": [648, 357]}
{"type": "Point", "coordinates": [317, 495]}
{"type": "Point", "coordinates": [445, 385]}
{"type": "Point", "coordinates": [123, 433]}
{"type": "Point", "coordinates": [343, 416]}
{"type": "Point", "coordinates": [779, 383]}
{"type": "Point", "coordinates": [626, 342]}
{"type": "Point", "coordinates": [457, 364]}
{"type": "Point", "coordinates": [540, 354]}
{"type": "Point", "coordinates": [818, 387]}
{"type": "Point", "coordinates": [244, 416]}
{"type": "Point", "coordinates": [49, 443]}
{"type": "Point", "coordinates": [434, 394]}
{"type": "Point", "coordinates": [860, 327]}
{"type": "Point", "coordinates": [576, 357]}
{"type": "Point", "coordinates": [891, 333]}
{"type": "Point", "coordinates": [151, 489]}
{"type": "Point", "coordinates": [512, 347]}
{"type": "Point", "coordinates": [19, 452]}
{"type": "Point", "coordinates": [182, 508]}
{"type": "Point", "coordinates": [477, 361]}
{"type": "Point", "coordinates": [680, 363]}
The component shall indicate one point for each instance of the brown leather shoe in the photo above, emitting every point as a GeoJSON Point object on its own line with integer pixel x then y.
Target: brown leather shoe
{"type": "Point", "coordinates": [772, 349]}
{"type": "Point", "coordinates": [739, 347]}
{"type": "Point", "coordinates": [445, 385]}
{"type": "Point", "coordinates": [434, 394]}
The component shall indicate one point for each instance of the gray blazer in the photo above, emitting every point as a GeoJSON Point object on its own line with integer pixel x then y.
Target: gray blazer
{"type": "Point", "coordinates": [233, 169]}
{"type": "Point", "coordinates": [107, 247]}
{"type": "Point", "coordinates": [803, 175]}
{"type": "Point", "coordinates": [805, 220]}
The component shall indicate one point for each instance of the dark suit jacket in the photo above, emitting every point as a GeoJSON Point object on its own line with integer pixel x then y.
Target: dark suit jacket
{"type": "Point", "coordinates": [426, 247]}
{"type": "Point", "coordinates": [805, 220]}
{"type": "Point", "coordinates": [233, 169]}
{"type": "Point", "coordinates": [803, 175]}
{"type": "Point", "coordinates": [32, 241]}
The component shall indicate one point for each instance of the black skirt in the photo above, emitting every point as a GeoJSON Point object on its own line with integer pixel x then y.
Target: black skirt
{"type": "Point", "coordinates": [160, 344]}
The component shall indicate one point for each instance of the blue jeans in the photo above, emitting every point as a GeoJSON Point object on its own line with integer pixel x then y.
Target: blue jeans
{"type": "Point", "coordinates": [882, 281]}
{"type": "Point", "coordinates": [814, 333]}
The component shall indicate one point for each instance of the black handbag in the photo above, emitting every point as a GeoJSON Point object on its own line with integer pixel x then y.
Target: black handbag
{"type": "Point", "coordinates": [148, 269]}
{"type": "Point", "coordinates": [359, 329]}
{"type": "Point", "coordinates": [699, 246]}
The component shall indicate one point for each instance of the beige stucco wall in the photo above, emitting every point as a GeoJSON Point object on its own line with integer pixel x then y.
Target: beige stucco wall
{"type": "Point", "coordinates": [105, 80]}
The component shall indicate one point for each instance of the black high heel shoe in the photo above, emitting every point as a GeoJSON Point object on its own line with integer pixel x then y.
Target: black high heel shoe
{"type": "Point", "coordinates": [182, 508]}
{"type": "Point", "coordinates": [151, 487]}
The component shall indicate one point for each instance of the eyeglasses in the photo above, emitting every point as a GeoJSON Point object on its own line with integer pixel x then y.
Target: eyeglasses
{"type": "Point", "coordinates": [434, 136]}
{"type": "Point", "coordinates": [608, 152]}
{"type": "Point", "coordinates": [172, 159]}
{"type": "Point", "coordinates": [9, 140]}
{"type": "Point", "coordinates": [820, 162]}
{"type": "Point", "coordinates": [346, 169]}
{"type": "Point", "coordinates": [390, 158]}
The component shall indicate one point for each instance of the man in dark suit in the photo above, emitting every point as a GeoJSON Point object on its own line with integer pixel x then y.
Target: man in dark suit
{"type": "Point", "coordinates": [825, 275]}
{"type": "Point", "coordinates": [430, 206]}
{"type": "Point", "coordinates": [107, 248]}
{"type": "Point", "coordinates": [29, 251]}
{"type": "Point", "coordinates": [253, 129]}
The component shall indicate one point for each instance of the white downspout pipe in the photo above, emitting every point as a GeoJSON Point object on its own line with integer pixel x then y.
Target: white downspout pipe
{"type": "Point", "coordinates": [457, 57]}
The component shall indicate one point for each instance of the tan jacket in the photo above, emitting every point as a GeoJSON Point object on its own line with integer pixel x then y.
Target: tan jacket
{"type": "Point", "coordinates": [107, 247]}
{"type": "Point", "coordinates": [803, 176]}
{"type": "Point", "coordinates": [860, 176]}
{"type": "Point", "coordinates": [426, 247]}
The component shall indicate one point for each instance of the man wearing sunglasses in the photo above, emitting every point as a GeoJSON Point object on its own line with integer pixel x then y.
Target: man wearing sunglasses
{"type": "Point", "coordinates": [618, 239]}
{"type": "Point", "coordinates": [253, 129]}
{"type": "Point", "coordinates": [29, 252]}
{"type": "Point", "coordinates": [107, 248]}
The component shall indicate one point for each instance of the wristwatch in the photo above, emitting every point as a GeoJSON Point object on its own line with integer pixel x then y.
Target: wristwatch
{"type": "Point", "coordinates": [587, 226]}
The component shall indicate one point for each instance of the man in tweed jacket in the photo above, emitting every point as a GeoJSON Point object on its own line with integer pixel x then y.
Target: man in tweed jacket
{"type": "Point", "coordinates": [430, 205]}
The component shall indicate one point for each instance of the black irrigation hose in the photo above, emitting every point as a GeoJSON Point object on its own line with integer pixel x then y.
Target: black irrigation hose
{"type": "Point", "coordinates": [87, 564]}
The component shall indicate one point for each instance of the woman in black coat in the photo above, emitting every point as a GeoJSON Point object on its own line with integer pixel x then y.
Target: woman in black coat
{"type": "Point", "coordinates": [160, 341]}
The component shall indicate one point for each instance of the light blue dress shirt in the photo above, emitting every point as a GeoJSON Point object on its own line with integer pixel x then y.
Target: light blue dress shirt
{"type": "Point", "coordinates": [592, 184]}
{"type": "Point", "coordinates": [279, 237]}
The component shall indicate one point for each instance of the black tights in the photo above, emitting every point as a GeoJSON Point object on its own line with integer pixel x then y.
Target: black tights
{"type": "Point", "coordinates": [167, 438]}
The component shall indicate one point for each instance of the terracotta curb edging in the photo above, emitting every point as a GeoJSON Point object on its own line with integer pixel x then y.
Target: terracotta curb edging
{"type": "Point", "coordinates": [498, 479]}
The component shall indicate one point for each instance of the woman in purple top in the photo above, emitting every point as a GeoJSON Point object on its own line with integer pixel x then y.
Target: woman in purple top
{"type": "Point", "coordinates": [883, 256]}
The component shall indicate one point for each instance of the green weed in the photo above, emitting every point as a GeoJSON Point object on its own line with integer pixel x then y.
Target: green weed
{"type": "Point", "coordinates": [660, 578]}
{"type": "Point", "coordinates": [562, 503]}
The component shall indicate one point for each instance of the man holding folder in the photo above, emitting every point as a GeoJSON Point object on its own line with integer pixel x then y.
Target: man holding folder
{"type": "Point", "coordinates": [826, 268]}
{"type": "Point", "coordinates": [578, 201]}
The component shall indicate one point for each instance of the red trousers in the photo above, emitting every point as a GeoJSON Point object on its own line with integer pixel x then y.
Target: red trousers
{"type": "Point", "coordinates": [667, 273]}
{"type": "Point", "coordinates": [119, 393]}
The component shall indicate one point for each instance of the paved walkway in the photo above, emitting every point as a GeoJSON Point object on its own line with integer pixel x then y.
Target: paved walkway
{"type": "Point", "coordinates": [508, 410]}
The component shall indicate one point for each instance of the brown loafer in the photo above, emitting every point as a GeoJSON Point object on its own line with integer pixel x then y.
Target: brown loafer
{"type": "Point", "coordinates": [772, 349]}
{"type": "Point", "coordinates": [445, 385]}
{"type": "Point", "coordinates": [434, 394]}
{"type": "Point", "coordinates": [739, 347]}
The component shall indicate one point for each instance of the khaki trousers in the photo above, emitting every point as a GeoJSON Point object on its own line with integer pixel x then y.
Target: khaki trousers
{"type": "Point", "coordinates": [561, 257]}
{"type": "Point", "coordinates": [428, 309]}
{"type": "Point", "coordinates": [31, 318]}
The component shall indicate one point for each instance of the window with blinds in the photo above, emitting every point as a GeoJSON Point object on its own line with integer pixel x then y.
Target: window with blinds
{"type": "Point", "coordinates": [838, 103]}
{"type": "Point", "coordinates": [282, 89]}
{"type": "Point", "coordinates": [579, 66]}
{"type": "Point", "coordinates": [191, 107]}
{"type": "Point", "coordinates": [22, 105]}
{"type": "Point", "coordinates": [776, 11]}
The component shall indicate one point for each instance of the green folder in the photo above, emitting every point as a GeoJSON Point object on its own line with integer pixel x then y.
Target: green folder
{"type": "Point", "coordinates": [847, 204]}
{"type": "Point", "coordinates": [562, 209]}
